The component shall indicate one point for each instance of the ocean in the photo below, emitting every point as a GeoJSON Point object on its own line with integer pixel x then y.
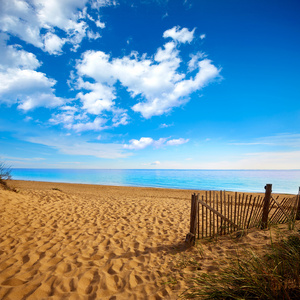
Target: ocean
{"type": "Point", "coordinates": [283, 181]}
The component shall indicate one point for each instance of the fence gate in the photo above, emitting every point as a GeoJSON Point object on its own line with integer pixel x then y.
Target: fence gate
{"type": "Point", "coordinates": [218, 213]}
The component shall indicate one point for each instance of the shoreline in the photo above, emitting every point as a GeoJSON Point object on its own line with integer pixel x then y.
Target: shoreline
{"type": "Point", "coordinates": [48, 183]}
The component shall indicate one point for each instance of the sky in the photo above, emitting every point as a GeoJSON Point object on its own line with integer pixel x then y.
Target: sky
{"type": "Point", "coordinates": [182, 84]}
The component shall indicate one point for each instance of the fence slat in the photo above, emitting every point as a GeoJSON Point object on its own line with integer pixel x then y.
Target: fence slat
{"type": "Point", "coordinates": [258, 211]}
{"type": "Point", "coordinates": [202, 219]}
{"type": "Point", "coordinates": [221, 227]}
{"type": "Point", "coordinates": [283, 218]}
{"type": "Point", "coordinates": [235, 203]}
{"type": "Point", "coordinates": [198, 220]}
{"type": "Point", "coordinates": [206, 216]}
{"type": "Point", "coordinates": [228, 216]}
{"type": "Point", "coordinates": [216, 212]}
{"type": "Point", "coordinates": [250, 217]}
{"type": "Point", "coordinates": [277, 213]}
{"type": "Point", "coordinates": [214, 225]}
{"type": "Point", "coordinates": [298, 206]}
{"type": "Point", "coordinates": [243, 209]}
{"type": "Point", "coordinates": [231, 227]}
{"type": "Point", "coordinates": [217, 204]}
{"type": "Point", "coordinates": [246, 217]}
{"type": "Point", "coordinates": [279, 206]}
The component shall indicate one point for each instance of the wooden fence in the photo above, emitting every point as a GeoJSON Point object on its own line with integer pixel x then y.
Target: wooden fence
{"type": "Point", "coordinates": [220, 213]}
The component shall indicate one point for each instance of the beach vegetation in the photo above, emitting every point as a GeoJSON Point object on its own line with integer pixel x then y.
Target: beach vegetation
{"type": "Point", "coordinates": [56, 189]}
{"type": "Point", "coordinates": [5, 175]}
{"type": "Point", "coordinates": [274, 275]}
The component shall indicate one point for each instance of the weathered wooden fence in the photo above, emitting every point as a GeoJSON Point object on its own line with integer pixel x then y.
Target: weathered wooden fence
{"type": "Point", "coordinates": [220, 213]}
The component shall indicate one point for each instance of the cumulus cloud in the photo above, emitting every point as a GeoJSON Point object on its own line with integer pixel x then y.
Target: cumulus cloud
{"type": "Point", "coordinates": [156, 81]}
{"type": "Point", "coordinates": [28, 88]}
{"type": "Point", "coordinates": [144, 142]}
{"type": "Point", "coordinates": [20, 82]}
{"type": "Point", "coordinates": [100, 99]}
{"type": "Point", "coordinates": [38, 22]}
{"type": "Point", "coordinates": [13, 56]}
{"type": "Point", "coordinates": [52, 43]}
{"type": "Point", "coordinates": [180, 35]}
{"type": "Point", "coordinates": [139, 144]}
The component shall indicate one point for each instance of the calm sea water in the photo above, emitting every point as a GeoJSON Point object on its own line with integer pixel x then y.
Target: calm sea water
{"type": "Point", "coordinates": [232, 180]}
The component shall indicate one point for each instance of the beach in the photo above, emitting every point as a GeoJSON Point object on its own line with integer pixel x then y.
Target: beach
{"type": "Point", "coordinates": [79, 241]}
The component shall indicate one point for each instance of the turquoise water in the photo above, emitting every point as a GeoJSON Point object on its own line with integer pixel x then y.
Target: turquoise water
{"type": "Point", "coordinates": [283, 181]}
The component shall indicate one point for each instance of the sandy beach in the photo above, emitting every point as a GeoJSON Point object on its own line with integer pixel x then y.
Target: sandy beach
{"type": "Point", "coordinates": [72, 241]}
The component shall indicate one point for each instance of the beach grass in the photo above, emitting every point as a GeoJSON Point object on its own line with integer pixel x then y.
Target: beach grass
{"type": "Point", "coordinates": [5, 176]}
{"type": "Point", "coordinates": [274, 275]}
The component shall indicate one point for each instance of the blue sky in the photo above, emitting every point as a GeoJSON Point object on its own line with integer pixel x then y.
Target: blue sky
{"type": "Point", "coordinates": [150, 84]}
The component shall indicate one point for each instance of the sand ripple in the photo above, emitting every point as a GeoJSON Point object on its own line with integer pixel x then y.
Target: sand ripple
{"type": "Point", "coordinates": [89, 245]}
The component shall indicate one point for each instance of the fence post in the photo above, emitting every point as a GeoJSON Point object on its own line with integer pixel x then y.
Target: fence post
{"type": "Point", "coordinates": [298, 206]}
{"type": "Point", "coordinates": [191, 236]}
{"type": "Point", "coordinates": [266, 207]}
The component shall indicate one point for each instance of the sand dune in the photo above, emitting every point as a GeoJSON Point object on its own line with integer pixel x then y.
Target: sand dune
{"type": "Point", "coordinates": [66, 241]}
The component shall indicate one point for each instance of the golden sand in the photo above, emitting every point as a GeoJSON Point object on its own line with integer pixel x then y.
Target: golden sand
{"type": "Point", "coordinates": [70, 241]}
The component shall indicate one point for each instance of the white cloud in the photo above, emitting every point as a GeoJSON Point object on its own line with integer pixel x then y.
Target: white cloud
{"type": "Point", "coordinates": [194, 61]}
{"type": "Point", "coordinates": [68, 116]}
{"type": "Point", "coordinates": [52, 43]}
{"type": "Point", "coordinates": [139, 144]}
{"type": "Point", "coordinates": [39, 99]}
{"type": "Point", "coordinates": [100, 24]}
{"type": "Point", "coordinates": [176, 142]}
{"type": "Point", "coordinates": [92, 35]}
{"type": "Point", "coordinates": [28, 88]}
{"type": "Point", "coordinates": [37, 22]}
{"type": "Point", "coordinates": [156, 81]}
{"type": "Point", "coordinates": [159, 143]}
{"type": "Point", "coordinates": [120, 117]}
{"type": "Point", "coordinates": [163, 125]}
{"type": "Point", "coordinates": [73, 118]}
{"type": "Point", "coordinates": [14, 56]}
{"type": "Point", "coordinates": [96, 4]}
{"type": "Point", "coordinates": [202, 36]}
{"type": "Point", "coordinates": [100, 99]}
{"type": "Point", "coordinates": [96, 125]}
{"type": "Point", "coordinates": [20, 83]}
{"type": "Point", "coordinates": [180, 35]}
{"type": "Point", "coordinates": [179, 93]}
{"type": "Point", "coordinates": [144, 142]}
